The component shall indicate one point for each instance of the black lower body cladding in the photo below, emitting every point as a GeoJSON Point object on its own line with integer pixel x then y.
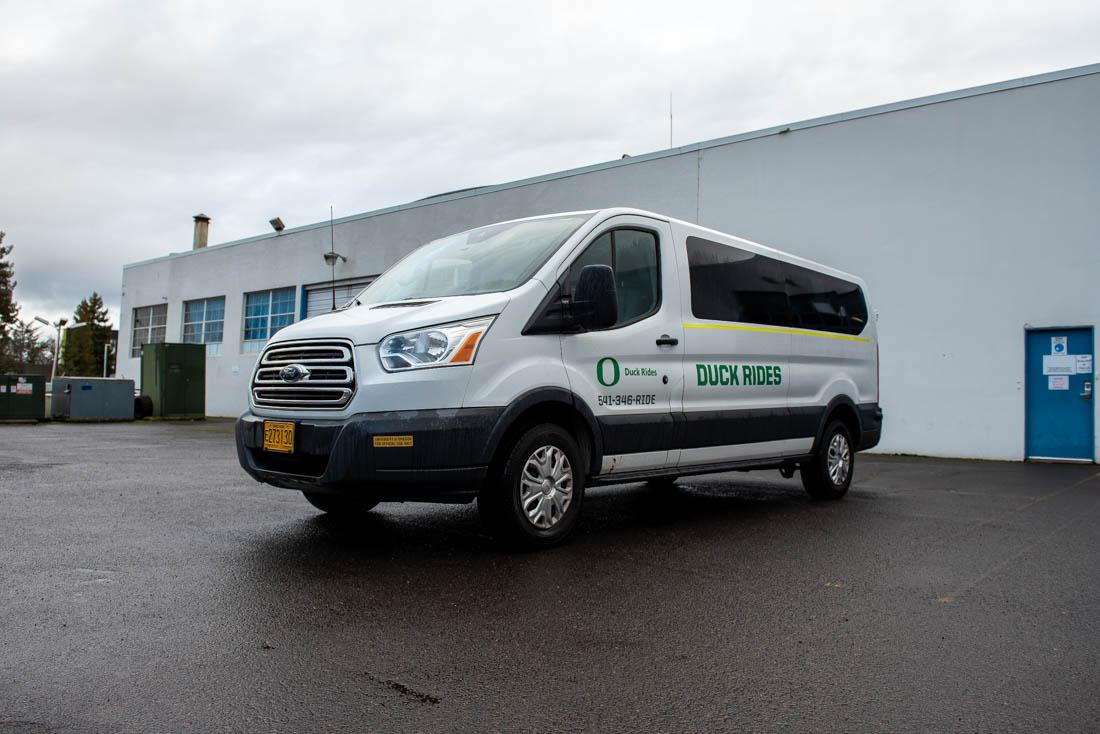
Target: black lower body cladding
{"type": "Point", "coordinates": [444, 455]}
{"type": "Point", "coordinates": [870, 420]}
{"type": "Point", "coordinates": [669, 431]}
{"type": "Point", "coordinates": [429, 455]}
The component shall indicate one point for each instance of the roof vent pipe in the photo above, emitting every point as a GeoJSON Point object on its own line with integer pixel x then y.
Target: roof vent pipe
{"type": "Point", "coordinates": [202, 231]}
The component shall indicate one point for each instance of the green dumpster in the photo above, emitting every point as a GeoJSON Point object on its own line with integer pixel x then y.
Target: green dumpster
{"type": "Point", "coordinates": [173, 376]}
{"type": "Point", "coordinates": [22, 397]}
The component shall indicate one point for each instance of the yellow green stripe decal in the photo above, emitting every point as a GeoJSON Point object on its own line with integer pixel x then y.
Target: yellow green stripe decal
{"type": "Point", "coordinates": [779, 330]}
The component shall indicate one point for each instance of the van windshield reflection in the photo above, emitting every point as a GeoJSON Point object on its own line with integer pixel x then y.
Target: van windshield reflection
{"type": "Point", "coordinates": [489, 259]}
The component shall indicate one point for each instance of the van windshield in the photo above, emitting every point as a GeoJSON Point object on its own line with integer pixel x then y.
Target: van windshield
{"type": "Point", "coordinates": [489, 259]}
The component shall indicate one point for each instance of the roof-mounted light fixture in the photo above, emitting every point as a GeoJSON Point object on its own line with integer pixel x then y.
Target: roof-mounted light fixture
{"type": "Point", "coordinates": [331, 258]}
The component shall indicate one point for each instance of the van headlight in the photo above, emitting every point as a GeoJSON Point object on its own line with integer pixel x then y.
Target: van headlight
{"type": "Point", "coordinates": [446, 345]}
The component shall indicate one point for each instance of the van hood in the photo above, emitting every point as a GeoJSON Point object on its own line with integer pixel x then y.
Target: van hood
{"type": "Point", "coordinates": [371, 323]}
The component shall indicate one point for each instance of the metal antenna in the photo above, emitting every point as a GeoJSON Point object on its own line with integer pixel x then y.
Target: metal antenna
{"type": "Point", "coordinates": [670, 119]}
{"type": "Point", "coordinates": [332, 249]}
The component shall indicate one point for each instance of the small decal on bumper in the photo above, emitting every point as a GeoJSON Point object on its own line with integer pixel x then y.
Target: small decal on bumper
{"type": "Point", "coordinates": [393, 442]}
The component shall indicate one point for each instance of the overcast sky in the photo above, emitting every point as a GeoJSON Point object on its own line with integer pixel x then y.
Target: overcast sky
{"type": "Point", "coordinates": [120, 120]}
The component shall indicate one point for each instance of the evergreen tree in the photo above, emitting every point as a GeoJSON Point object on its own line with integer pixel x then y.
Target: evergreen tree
{"type": "Point", "coordinates": [28, 349]}
{"type": "Point", "coordinates": [77, 353]}
{"type": "Point", "coordinates": [9, 310]}
{"type": "Point", "coordinates": [91, 311]}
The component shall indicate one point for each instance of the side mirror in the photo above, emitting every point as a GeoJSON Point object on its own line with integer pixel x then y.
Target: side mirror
{"type": "Point", "coordinates": [595, 302]}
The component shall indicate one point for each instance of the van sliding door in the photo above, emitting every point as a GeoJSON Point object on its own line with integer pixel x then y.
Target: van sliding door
{"type": "Point", "coordinates": [738, 345]}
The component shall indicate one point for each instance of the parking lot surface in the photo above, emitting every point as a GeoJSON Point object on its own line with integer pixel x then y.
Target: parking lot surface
{"type": "Point", "coordinates": [147, 584]}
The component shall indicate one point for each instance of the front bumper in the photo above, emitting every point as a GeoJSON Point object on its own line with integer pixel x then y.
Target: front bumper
{"type": "Point", "coordinates": [446, 462]}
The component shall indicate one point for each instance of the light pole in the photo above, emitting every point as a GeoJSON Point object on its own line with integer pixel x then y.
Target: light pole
{"type": "Point", "coordinates": [59, 324]}
{"type": "Point", "coordinates": [57, 340]}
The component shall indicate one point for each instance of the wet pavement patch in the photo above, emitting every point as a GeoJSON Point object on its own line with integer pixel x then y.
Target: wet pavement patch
{"type": "Point", "coordinates": [148, 584]}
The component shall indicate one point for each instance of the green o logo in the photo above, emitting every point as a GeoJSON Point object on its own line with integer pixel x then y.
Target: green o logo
{"type": "Point", "coordinates": [600, 371]}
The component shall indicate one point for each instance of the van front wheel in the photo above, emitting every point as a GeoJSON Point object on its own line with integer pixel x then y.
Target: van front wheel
{"type": "Point", "coordinates": [828, 474]}
{"type": "Point", "coordinates": [535, 499]}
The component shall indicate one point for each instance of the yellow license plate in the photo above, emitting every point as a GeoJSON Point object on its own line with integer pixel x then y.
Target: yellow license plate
{"type": "Point", "coordinates": [279, 437]}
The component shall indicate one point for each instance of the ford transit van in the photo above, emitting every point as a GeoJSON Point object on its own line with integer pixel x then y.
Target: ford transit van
{"type": "Point", "coordinates": [521, 363]}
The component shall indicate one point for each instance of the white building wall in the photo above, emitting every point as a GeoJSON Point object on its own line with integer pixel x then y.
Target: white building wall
{"type": "Point", "coordinates": [968, 218]}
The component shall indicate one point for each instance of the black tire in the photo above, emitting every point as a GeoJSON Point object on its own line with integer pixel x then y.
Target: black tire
{"type": "Point", "coordinates": [143, 407]}
{"type": "Point", "coordinates": [340, 505]}
{"type": "Point", "coordinates": [662, 484]}
{"type": "Point", "coordinates": [501, 503]}
{"type": "Point", "coordinates": [819, 483]}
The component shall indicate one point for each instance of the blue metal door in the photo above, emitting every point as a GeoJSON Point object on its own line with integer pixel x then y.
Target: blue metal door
{"type": "Point", "coordinates": [1059, 394]}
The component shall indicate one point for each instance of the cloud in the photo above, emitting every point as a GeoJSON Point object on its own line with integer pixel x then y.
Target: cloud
{"type": "Point", "coordinates": [122, 119]}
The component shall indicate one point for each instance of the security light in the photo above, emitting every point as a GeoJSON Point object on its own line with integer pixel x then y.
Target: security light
{"type": "Point", "coordinates": [331, 258]}
{"type": "Point", "coordinates": [59, 325]}
{"type": "Point", "coordinates": [277, 224]}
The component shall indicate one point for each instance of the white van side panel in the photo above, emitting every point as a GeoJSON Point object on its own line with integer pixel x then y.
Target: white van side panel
{"type": "Point", "coordinates": [823, 368]}
{"type": "Point", "coordinates": [509, 364]}
{"type": "Point", "coordinates": [746, 451]}
{"type": "Point", "coordinates": [718, 355]}
{"type": "Point", "coordinates": [508, 367]}
{"type": "Point", "coordinates": [620, 463]}
{"type": "Point", "coordinates": [816, 367]}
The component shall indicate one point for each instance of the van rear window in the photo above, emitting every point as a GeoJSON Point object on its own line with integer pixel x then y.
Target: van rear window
{"type": "Point", "coordinates": [822, 302]}
{"type": "Point", "coordinates": [731, 284]}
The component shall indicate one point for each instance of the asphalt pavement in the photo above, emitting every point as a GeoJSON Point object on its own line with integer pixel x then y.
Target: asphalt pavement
{"type": "Point", "coordinates": [148, 585]}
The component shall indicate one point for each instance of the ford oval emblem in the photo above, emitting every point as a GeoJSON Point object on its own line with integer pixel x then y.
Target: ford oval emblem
{"type": "Point", "coordinates": [294, 373]}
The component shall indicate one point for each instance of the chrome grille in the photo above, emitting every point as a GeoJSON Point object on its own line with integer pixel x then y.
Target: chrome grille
{"type": "Point", "coordinates": [329, 384]}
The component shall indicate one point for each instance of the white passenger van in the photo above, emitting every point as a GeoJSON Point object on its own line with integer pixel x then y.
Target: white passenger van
{"type": "Point", "coordinates": [520, 363]}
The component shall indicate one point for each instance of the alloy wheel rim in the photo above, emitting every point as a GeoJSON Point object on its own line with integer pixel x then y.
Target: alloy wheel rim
{"type": "Point", "coordinates": [546, 487]}
{"type": "Point", "coordinates": [838, 459]}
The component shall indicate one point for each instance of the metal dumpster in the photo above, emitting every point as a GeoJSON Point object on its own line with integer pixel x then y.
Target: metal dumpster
{"type": "Point", "coordinates": [22, 397]}
{"type": "Point", "coordinates": [92, 399]}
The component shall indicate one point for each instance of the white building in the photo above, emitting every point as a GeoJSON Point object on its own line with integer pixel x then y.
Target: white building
{"type": "Point", "coordinates": [972, 215]}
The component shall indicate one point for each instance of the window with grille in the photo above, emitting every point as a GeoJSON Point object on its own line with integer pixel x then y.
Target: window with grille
{"type": "Point", "coordinates": [204, 323]}
{"type": "Point", "coordinates": [149, 326]}
{"type": "Point", "coordinates": [265, 312]}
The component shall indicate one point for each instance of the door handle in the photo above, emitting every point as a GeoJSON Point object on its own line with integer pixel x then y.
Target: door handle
{"type": "Point", "coordinates": [667, 341]}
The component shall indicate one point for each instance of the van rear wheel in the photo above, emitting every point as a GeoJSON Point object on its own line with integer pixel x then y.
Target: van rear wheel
{"type": "Point", "coordinates": [535, 498]}
{"type": "Point", "coordinates": [828, 474]}
{"type": "Point", "coordinates": [340, 505]}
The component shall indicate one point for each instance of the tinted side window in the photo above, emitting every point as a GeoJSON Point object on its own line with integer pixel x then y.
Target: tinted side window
{"type": "Point", "coordinates": [730, 284]}
{"type": "Point", "coordinates": [822, 302]}
{"type": "Point", "coordinates": [632, 254]}
{"type": "Point", "coordinates": [598, 253]}
{"type": "Point", "coordinates": [635, 273]}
